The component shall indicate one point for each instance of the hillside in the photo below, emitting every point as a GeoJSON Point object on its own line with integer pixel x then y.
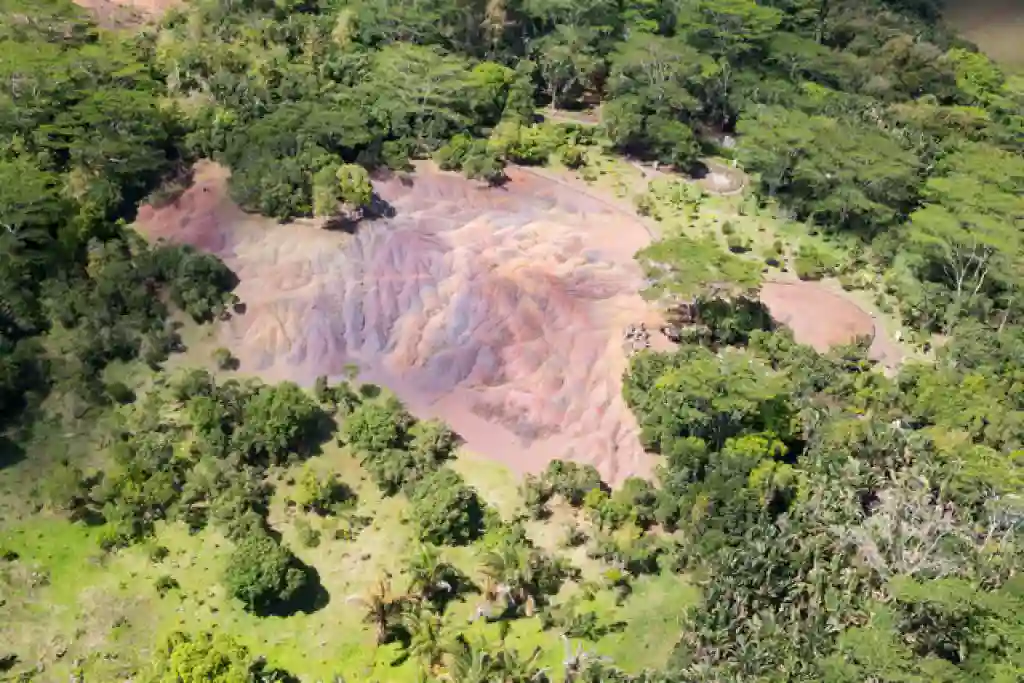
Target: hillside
{"type": "Point", "coordinates": [508, 342]}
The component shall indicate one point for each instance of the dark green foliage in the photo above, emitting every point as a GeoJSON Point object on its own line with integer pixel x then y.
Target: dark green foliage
{"type": "Point", "coordinates": [445, 511]}
{"type": "Point", "coordinates": [277, 421]}
{"type": "Point", "coordinates": [570, 481]}
{"type": "Point", "coordinates": [693, 392]}
{"type": "Point", "coordinates": [261, 572]}
{"type": "Point", "coordinates": [165, 584]}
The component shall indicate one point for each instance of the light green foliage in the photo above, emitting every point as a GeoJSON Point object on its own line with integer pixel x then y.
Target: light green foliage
{"type": "Point", "coordinates": [203, 658]}
{"type": "Point", "coordinates": [375, 427]}
{"type": "Point", "coordinates": [321, 493]}
{"type": "Point", "coordinates": [695, 393]}
{"type": "Point", "coordinates": [969, 230]}
{"type": "Point", "coordinates": [681, 268]}
{"type": "Point", "coordinates": [354, 186]}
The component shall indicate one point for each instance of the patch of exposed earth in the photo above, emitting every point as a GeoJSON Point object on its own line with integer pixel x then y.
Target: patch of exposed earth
{"type": "Point", "coordinates": [500, 310]}
{"type": "Point", "coordinates": [122, 13]}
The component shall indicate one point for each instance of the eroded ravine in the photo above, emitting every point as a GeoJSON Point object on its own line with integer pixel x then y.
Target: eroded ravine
{"type": "Point", "coordinates": [500, 310]}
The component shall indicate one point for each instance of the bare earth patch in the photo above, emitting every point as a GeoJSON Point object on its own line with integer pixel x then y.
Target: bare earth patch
{"type": "Point", "coordinates": [125, 13]}
{"type": "Point", "coordinates": [500, 310]}
{"type": "Point", "coordinates": [822, 318]}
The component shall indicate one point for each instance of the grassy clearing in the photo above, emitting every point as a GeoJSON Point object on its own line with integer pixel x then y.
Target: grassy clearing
{"type": "Point", "coordinates": [763, 233]}
{"type": "Point", "coordinates": [70, 604]}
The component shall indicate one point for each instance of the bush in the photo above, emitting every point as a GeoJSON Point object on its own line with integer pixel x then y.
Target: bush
{"type": "Point", "coordinates": [737, 244]}
{"type": "Point", "coordinates": [778, 247]}
{"type": "Point", "coordinates": [445, 511]}
{"type": "Point", "coordinates": [322, 494]}
{"type": "Point", "coordinates": [277, 420]}
{"type": "Point", "coordinates": [727, 228]}
{"type": "Point", "coordinates": [376, 427]}
{"type": "Point", "coordinates": [481, 163]}
{"type": "Point", "coordinates": [433, 440]}
{"type": "Point", "coordinates": [809, 267]}
{"type": "Point", "coordinates": [224, 360]}
{"type": "Point", "coordinates": [158, 554]}
{"type": "Point", "coordinates": [644, 204]}
{"type": "Point", "coordinates": [571, 481]}
{"type": "Point", "coordinates": [451, 156]}
{"type": "Point", "coordinates": [165, 584]}
{"type": "Point", "coordinates": [573, 156]}
{"type": "Point", "coordinates": [120, 393]}
{"type": "Point", "coordinates": [308, 536]}
{"type": "Point", "coordinates": [261, 572]}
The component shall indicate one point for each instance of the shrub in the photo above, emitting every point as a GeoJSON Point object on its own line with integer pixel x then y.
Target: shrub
{"type": "Point", "coordinates": [321, 493]}
{"type": "Point", "coordinates": [535, 493]}
{"type": "Point", "coordinates": [223, 359]}
{"type": "Point", "coordinates": [808, 267]}
{"type": "Point", "coordinates": [571, 481]}
{"type": "Point", "coordinates": [727, 228]}
{"type": "Point", "coordinates": [737, 244]}
{"type": "Point", "coordinates": [433, 440]}
{"type": "Point", "coordinates": [644, 204]}
{"type": "Point", "coordinates": [165, 584]}
{"type": "Point", "coordinates": [308, 536]}
{"type": "Point", "coordinates": [778, 247]}
{"type": "Point", "coordinates": [481, 163]}
{"type": "Point", "coordinates": [376, 427]}
{"type": "Point", "coordinates": [261, 572]}
{"type": "Point", "coordinates": [120, 393]}
{"type": "Point", "coordinates": [158, 553]}
{"type": "Point", "coordinates": [573, 156]}
{"type": "Point", "coordinates": [277, 420]}
{"type": "Point", "coordinates": [445, 511]}
{"type": "Point", "coordinates": [451, 156]}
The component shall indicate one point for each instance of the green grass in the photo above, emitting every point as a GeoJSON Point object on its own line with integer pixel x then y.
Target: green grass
{"type": "Point", "coordinates": [66, 600]}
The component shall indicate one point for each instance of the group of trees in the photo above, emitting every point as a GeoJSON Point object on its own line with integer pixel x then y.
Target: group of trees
{"type": "Point", "coordinates": [196, 451]}
{"type": "Point", "coordinates": [84, 136]}
{"type": "Point", "coordinates": [850, 526]}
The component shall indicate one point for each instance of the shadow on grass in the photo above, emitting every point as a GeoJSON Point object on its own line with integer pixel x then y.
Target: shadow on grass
{"type": "Point", "coordinates": [11, 453]}
{"type": "Point", "coordinates": [312, 597]}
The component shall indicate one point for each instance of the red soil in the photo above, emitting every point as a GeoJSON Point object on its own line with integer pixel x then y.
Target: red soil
{"type": "Point", "coordinates": [499, 310]}
{"type": "Point", "coordinates": [823, 318]}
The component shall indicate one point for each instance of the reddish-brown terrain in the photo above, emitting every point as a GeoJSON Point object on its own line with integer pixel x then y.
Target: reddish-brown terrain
{"type": "Point", "coordinates": [499, 309]}
{"type": "Point", "coordinates": [822, 318]}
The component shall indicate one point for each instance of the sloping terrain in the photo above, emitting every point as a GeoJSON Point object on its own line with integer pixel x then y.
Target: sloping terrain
{"type": "Point", "coordinates": [500, 310]}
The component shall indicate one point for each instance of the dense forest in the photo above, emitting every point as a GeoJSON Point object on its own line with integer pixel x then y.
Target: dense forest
{"type": "Point", "coordinates": [845, 524]}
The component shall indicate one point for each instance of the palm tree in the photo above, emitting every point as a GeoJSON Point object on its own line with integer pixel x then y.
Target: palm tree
{"type": "Point", "coordinates": [425, 638]}
{"type": "Point", "coordinates": [429, 576]}
{"type": "Point", "coordinates": [509, 573]}
{"type": "Point", "coordinates": [380, 606]}
{"type": "Point", "coordinates": [468, 662]}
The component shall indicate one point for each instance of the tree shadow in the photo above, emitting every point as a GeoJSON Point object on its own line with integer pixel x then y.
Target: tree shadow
{"type": "Point", "coordinates": [311, 598]}
{"type": "Point", "coordinates": [7, 662]}
{"type": "Point", "coordinates": [379, 208]}
{"type": "Point", "coordinates": [11, 452]}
